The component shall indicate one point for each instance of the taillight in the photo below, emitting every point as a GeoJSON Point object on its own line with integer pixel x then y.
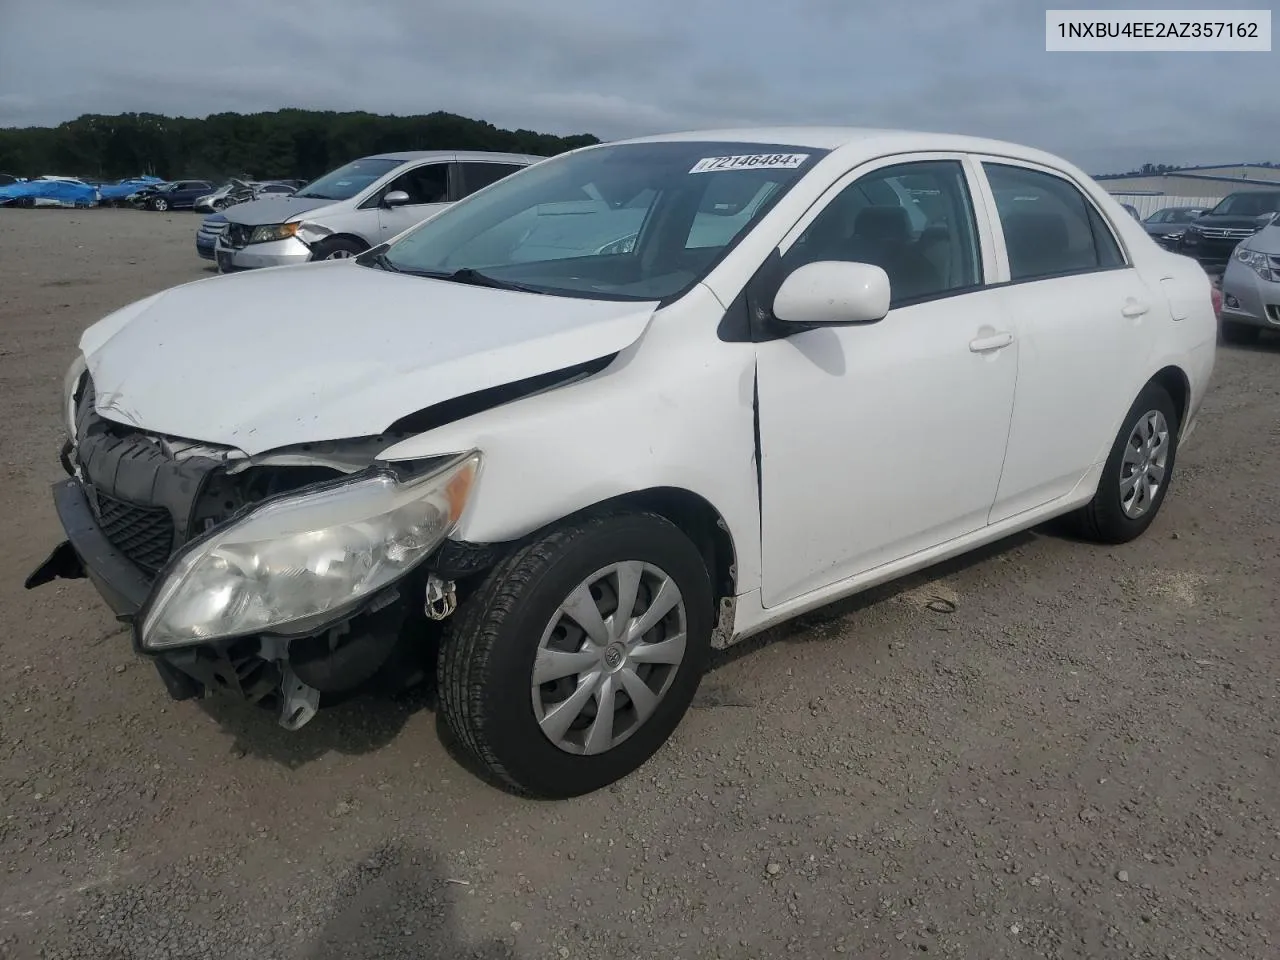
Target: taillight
{"type": "Point", "coordinates": [1216, 295]}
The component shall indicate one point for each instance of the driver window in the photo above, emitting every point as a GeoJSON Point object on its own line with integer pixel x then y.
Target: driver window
{"type": "Point", "coordinates": [914, 220]}
{"type": "Point", "coordinates": [426, 184]}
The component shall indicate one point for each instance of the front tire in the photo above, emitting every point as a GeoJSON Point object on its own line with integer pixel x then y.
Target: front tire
{"type": "Point", "coordinates": [159, 205]}
{"type": "Point", "coordinates": [1239, 333]}
{"type": "Point", "coordinates": [540, 680]}
{"type": "Point", "coordinates": [337, 248]}
{"type": "Point", "coordinates": [1137, 473]}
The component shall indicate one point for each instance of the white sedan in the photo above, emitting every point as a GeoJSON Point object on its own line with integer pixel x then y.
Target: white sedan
{"type": "Point", "coordinates": [633, 403]}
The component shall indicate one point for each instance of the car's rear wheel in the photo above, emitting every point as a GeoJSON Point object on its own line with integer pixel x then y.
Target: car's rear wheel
{"type": "Point", "coordinates": [1233, 331]}
{"type": "Point", "coordinates": [1137, 473]}
{"type": "Point", "coordinates": [337, 248]}
{"type": "Point", "coordinates": [578, 656]}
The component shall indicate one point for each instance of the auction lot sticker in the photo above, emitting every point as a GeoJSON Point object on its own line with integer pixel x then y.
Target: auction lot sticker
{"type": "Point", "coordinates": [750, 161]}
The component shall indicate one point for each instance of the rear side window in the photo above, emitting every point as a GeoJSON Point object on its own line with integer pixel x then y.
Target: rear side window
{"type": "Point", "coordinates": [1050, 228]}
{"type": "Point", "coordinates": [477, 176]}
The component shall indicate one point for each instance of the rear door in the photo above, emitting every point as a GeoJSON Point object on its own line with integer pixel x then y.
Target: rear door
{"type": "Point", "coordinates": [1082, 315]}
{"type": "Point", "coordinates": [473, 175]}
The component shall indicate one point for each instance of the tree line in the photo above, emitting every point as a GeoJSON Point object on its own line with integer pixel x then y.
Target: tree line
{"type": "Point", "coordinates": [284, 143]}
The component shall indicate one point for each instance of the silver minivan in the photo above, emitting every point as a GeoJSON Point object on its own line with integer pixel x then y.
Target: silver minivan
{"type": "Point", "coordinates": [356, 206]}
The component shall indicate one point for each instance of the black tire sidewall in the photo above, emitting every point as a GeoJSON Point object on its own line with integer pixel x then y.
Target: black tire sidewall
{"type": "Point", "coordinates": [1112, 520]}
{"type": "Point", "coordinates": [511, 729]}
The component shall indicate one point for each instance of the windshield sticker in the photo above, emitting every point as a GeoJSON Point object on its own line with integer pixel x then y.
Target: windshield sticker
{"type": "Point", "coordinates": [752, 161]}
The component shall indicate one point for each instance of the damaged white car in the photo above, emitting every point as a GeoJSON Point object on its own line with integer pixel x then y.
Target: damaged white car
{"type": "Point", "coordinates": [631, 404]}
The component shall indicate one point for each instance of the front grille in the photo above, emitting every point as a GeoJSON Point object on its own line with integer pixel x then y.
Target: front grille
{"type": "Point", "coordinates": [1227, 233]}
{"type": "Point", "coordinates": [143, 534]}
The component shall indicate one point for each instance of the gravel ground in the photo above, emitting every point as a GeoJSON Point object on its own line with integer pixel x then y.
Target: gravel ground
{"type": "Point", "coordinates": [1072, 755]}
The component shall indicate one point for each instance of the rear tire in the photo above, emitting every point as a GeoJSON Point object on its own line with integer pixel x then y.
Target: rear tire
{"type": "Point", "coordinates": [1240, 333]}
{"type": "Point", "coordinates": [1126, 502]}
{"type": "Point", "coordinates": [518, 622]}
{"type": "Point", "coordinates": [337, 248]}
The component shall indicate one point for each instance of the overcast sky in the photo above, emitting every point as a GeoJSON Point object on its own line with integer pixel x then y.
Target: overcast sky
{"type": "Point", "coordinates": [618, 69]}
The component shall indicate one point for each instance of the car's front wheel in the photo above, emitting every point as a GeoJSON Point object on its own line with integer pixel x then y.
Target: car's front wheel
{"type": "Point", "coordinates": [159, 204]}
{"type": "Point", "coordinates": [1135, 478]}
{"type": "Point", "coordinates": [578, 656]}
{"type": "Point", "coordinates": [337, 248]}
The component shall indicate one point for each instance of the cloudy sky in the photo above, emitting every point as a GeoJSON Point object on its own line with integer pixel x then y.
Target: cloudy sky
{"type": "Point", "coordinates": [617, 68]}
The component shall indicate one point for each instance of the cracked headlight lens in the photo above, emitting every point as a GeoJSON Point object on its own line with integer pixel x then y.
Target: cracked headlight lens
{"type": "Point", "coordinates": [299, 560]}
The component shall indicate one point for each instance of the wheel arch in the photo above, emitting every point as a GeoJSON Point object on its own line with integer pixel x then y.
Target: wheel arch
{"type": "Point", "coordinates": [352, 237]}
{"type": "Point", "coordinates": [692, 513]}
{"type": "Point", "coordinates": [1175, 380]}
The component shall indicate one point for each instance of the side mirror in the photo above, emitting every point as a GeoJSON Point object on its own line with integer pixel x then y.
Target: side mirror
{"type": "Point", "coordinates": [832, 293]}
{"type": "Point", "coordinates": [396, 198]}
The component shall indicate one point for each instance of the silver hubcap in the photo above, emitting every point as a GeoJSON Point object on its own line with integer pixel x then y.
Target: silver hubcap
{"type": "Point", "coordinates": [1145, 461]}
{"type": "Point", "coordinates": [340, 255]}
{"type": "Point", "coordinates": [608, 657]}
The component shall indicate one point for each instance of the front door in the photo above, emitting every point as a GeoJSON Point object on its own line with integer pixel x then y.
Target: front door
{"type": "Point", "coordinates": [428, 190]}
{"type": "Point", "coordinates": [885, 439]}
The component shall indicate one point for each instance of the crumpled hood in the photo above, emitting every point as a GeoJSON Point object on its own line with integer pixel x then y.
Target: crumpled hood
{"type": "Point", "coordinates": [331, 350]}
{"type": "Point", "coordinates": [255, 213]}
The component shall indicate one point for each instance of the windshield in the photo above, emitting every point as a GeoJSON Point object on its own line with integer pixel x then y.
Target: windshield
{"type": "Point", "coordinates": [345, 182]}
{"type": "Point", "coordinates": [639, 221]}
{"type": "Point", "coordinates": [1248, 205]}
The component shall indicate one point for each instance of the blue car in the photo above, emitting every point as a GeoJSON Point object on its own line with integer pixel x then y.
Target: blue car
{"type": "Point", "coordinates": [211, 228]}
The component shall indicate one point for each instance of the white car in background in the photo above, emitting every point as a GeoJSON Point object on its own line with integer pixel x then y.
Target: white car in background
{"type": "Point", "coordinates": [353, 208]}
{"type": "Point", "coordinates": [559, 469]}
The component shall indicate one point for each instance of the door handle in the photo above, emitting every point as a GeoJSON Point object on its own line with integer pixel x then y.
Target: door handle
{"type": "Point", "coordinates": [996, 341]}
{"type": "Point", "coordinates": [1134, 308]}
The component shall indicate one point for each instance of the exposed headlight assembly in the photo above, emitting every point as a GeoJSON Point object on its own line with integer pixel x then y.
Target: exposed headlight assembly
{"type": "Point", "coordinates": [71, 387]}
{"type": "Point", "coordinates": [301, 559]}
{"type": "Point", "coordinates": [273, 231]}
{"type": "Point", "coordinates": [1259, 263]}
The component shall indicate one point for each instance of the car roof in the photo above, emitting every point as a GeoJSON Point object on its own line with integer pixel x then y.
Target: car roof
{"type": "Point", "coordinates": [870, 139]}
{"type": "Point", "coordinates": [461, 155]}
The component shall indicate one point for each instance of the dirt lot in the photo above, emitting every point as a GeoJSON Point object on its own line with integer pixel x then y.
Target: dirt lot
{"type": "Point", "coordinates": [1079, 760]}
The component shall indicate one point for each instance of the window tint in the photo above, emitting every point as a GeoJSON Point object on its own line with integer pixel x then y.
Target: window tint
{"type": "Point", "coordinates": [1049, 227]}
{"type": "Point", "coordinates": [915, 220]}
{"type": "Point", "coordinates": [477, 176]}
{"type": "Point", "coordinates": [426, 184]}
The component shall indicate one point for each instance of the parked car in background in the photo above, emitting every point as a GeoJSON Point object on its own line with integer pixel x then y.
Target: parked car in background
{"type": "Point", "coordinates": [1251, 286]}
{"type": "Point", "coordinates": [1212, 237]}
{"type": "Point", "coordinates": [363, 477]}
{"type": "Point", "coordinates": [118, 193]}
{"type": "Point", "coordinates": [174, 195]}
{"type": "Point", "coordinates": [356, 206]}
{"type": "Point", "coordinates": [1166, 226]}
{"type": "Point", "coordinates": [49, 192]}
{"type": "Point", "coordinates": [242, 191]}
{"type": "Point", "coordinates": [211, 227]}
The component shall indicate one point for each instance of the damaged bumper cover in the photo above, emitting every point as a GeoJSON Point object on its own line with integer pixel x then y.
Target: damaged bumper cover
{"type": "Point", "coordinates": [133, 505]}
